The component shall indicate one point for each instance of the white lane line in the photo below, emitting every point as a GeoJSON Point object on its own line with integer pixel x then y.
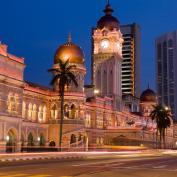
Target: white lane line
{"type": "Point", "coordinates": [161, 166]}
{"type": "Point", "coordinates": [97, 164]}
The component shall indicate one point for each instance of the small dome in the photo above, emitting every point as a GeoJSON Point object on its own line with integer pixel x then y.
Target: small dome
{"type": "Point", "coordinates": [148, 96]}
{"type": "Point", "coordinates": [69, 51]}
{"type": "Point", "coordinates": [108, 21]}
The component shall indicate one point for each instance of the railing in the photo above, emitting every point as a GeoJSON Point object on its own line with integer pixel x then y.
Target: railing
{"type": "Point", "coordinates": [67, 121]}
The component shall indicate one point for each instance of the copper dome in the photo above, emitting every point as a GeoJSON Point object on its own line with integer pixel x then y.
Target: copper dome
{"type": "Point", "coordinates": [148, 96]}
{"type": "Point", "coordinates": [69, 51]}
{"type": "Point", "coordinates": [108, 21]}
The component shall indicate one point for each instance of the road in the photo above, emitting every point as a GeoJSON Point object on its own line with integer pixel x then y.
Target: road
{"type": "Point", "coordinates": [109, 166]}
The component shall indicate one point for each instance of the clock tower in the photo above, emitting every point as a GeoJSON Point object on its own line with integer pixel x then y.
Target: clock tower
{"type": "Point", "coordinates": [107, 56]}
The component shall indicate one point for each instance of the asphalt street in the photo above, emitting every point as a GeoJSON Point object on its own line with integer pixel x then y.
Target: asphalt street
{"type": "Point", "coordinates": [161, 166]}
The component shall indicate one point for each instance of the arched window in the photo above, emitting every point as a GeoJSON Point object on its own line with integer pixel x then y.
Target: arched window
{"type": "Point", "coordinates": [23, 110]}
{"type": "Point", "coordinates": [44, 113]}
{"type": "Point", "coordinates": [29, 111]}
{"type": "Point", "coordinates": [40, 114]}
{"type": "Point", "coordinates": [73, 111]}
{"type": "Point", "coordinates": [66, 111]}
{"type": "Point", "coordinates": [54, 112]}
{"type": "Point", "coordinates": [34, 112]}
{"type": "Point", "coordinates": [12, 103]}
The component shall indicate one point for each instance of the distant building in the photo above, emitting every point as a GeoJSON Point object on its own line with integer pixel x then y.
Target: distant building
{"type": "Point", "coordinates": [131, 59]}
{"type": "Point", "coordinates": [166, 71]}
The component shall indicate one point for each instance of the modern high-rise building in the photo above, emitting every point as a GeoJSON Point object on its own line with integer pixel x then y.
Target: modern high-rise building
{"type": "Point", "coordinates": [131, 59]}
{"type": "Point", "coordinates": [166, 71]}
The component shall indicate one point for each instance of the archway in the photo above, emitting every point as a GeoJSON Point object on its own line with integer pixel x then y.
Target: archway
{"type": "Point", "coordinates": [30, 139]}
{"type": "Point", "coordinates": [42, 140]}
{"type": "Point", "coordinates": [22, 140]}
{"type": "Point", "coordinates": [11, 141]}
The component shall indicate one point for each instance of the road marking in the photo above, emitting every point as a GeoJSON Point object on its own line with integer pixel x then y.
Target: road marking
{"type": "Point", "coordinates": [40, 175]}
{"type": "Point", "coordinates": [97, 164]}
{"type": "Point", "coordinates": [162, 166]}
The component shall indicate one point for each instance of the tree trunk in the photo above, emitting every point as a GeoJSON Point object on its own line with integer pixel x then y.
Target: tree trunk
{"type": "Point", "coordinates": [157, 139]}
{"type": "Point", "coordinates": [160, 138]}
{"type": "Point", "coordinates": [164, 144]}
{"type": "Point", "coordinates": [61, 117]}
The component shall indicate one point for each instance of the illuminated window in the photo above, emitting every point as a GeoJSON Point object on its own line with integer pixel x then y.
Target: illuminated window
{"type": "Point", "coordinates": [110, 122]}
{"type": "Point", "coordinates": [12, 103]}
{"type": "Point", "coordinates": [23, 110]}
{"type": "Point", "coordinates": [88, 121]}
{"type": "Point", "coordinates": [99, 121]}
{"type": "Point", "coordinates": [40, 114]}
{"type": "Point", "coordinates": [54, 112]}
{"type": "Point", "coordinates": [73, 111]}
{"type": "Point", "coordinates": [44, 113]}
{"type": "Point", "coordinates": [29, 111]}
{"type": "Point", "coordinates": [34, 112]}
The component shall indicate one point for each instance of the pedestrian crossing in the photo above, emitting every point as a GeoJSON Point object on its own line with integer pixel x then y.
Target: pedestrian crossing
{"type": "Point", "coordinates": [23, 175]}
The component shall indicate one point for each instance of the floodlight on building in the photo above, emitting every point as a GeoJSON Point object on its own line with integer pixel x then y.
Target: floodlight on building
{"type": "Point", "coordinates": [96, 91]}
{"type": "Point", "coordinates": [38, 138]}
{"type": "Point", "coordinates": [7, 137]}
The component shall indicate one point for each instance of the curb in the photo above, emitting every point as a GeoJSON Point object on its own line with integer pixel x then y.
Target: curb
{"type": "Point", "coordinates": [41, 158]}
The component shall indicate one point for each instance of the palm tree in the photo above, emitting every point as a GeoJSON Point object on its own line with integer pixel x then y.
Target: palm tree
{"type": "Point", "coordinates": [63, 76]}
{"type": "Point", "coordinates": [162, 118]}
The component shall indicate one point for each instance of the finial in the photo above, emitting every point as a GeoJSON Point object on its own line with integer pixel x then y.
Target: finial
{"type": "Point", "coordinates": [108, 10]}
{"type": "Point", "coordinates": [69, 38]}
{"type": "Point", "coordinates": [148, 85]}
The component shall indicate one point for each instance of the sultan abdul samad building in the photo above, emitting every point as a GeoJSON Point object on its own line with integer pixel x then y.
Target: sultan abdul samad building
{"type": "Point", "coordinates": [95, 115]}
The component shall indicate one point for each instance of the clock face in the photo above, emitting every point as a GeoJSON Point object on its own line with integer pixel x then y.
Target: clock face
{"type": "Point", "coordinates": [104, 44]}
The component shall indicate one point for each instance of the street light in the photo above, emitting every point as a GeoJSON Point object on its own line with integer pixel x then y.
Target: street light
{"type": "Point", "coordinates": [166, 108]}
{"type": "Point", "coordinates": [96, 91]}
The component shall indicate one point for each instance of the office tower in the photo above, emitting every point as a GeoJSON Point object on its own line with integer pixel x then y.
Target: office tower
{"type": "Point", "coordinates": [166, 72]}
{"type": "Point", "coordinates": [131, 59]}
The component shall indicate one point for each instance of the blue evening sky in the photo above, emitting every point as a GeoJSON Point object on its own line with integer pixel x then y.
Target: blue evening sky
{"type": "Point", "coordinates": [34, 29]}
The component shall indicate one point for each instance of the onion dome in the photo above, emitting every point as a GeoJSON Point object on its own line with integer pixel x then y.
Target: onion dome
{"type": "Point", "coordinates": [108, 21]}
{"type": "Point", "coordinates": [69, 51]}
{"type": "Point", "coordinates": [148, 96]}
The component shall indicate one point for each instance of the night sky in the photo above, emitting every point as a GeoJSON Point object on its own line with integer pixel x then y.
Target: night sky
{"type": "Point", "coordinates": [34, 29]}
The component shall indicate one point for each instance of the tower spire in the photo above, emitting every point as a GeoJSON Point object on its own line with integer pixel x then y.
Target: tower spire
{"type": "Point", "coordinates": [69, 38]}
